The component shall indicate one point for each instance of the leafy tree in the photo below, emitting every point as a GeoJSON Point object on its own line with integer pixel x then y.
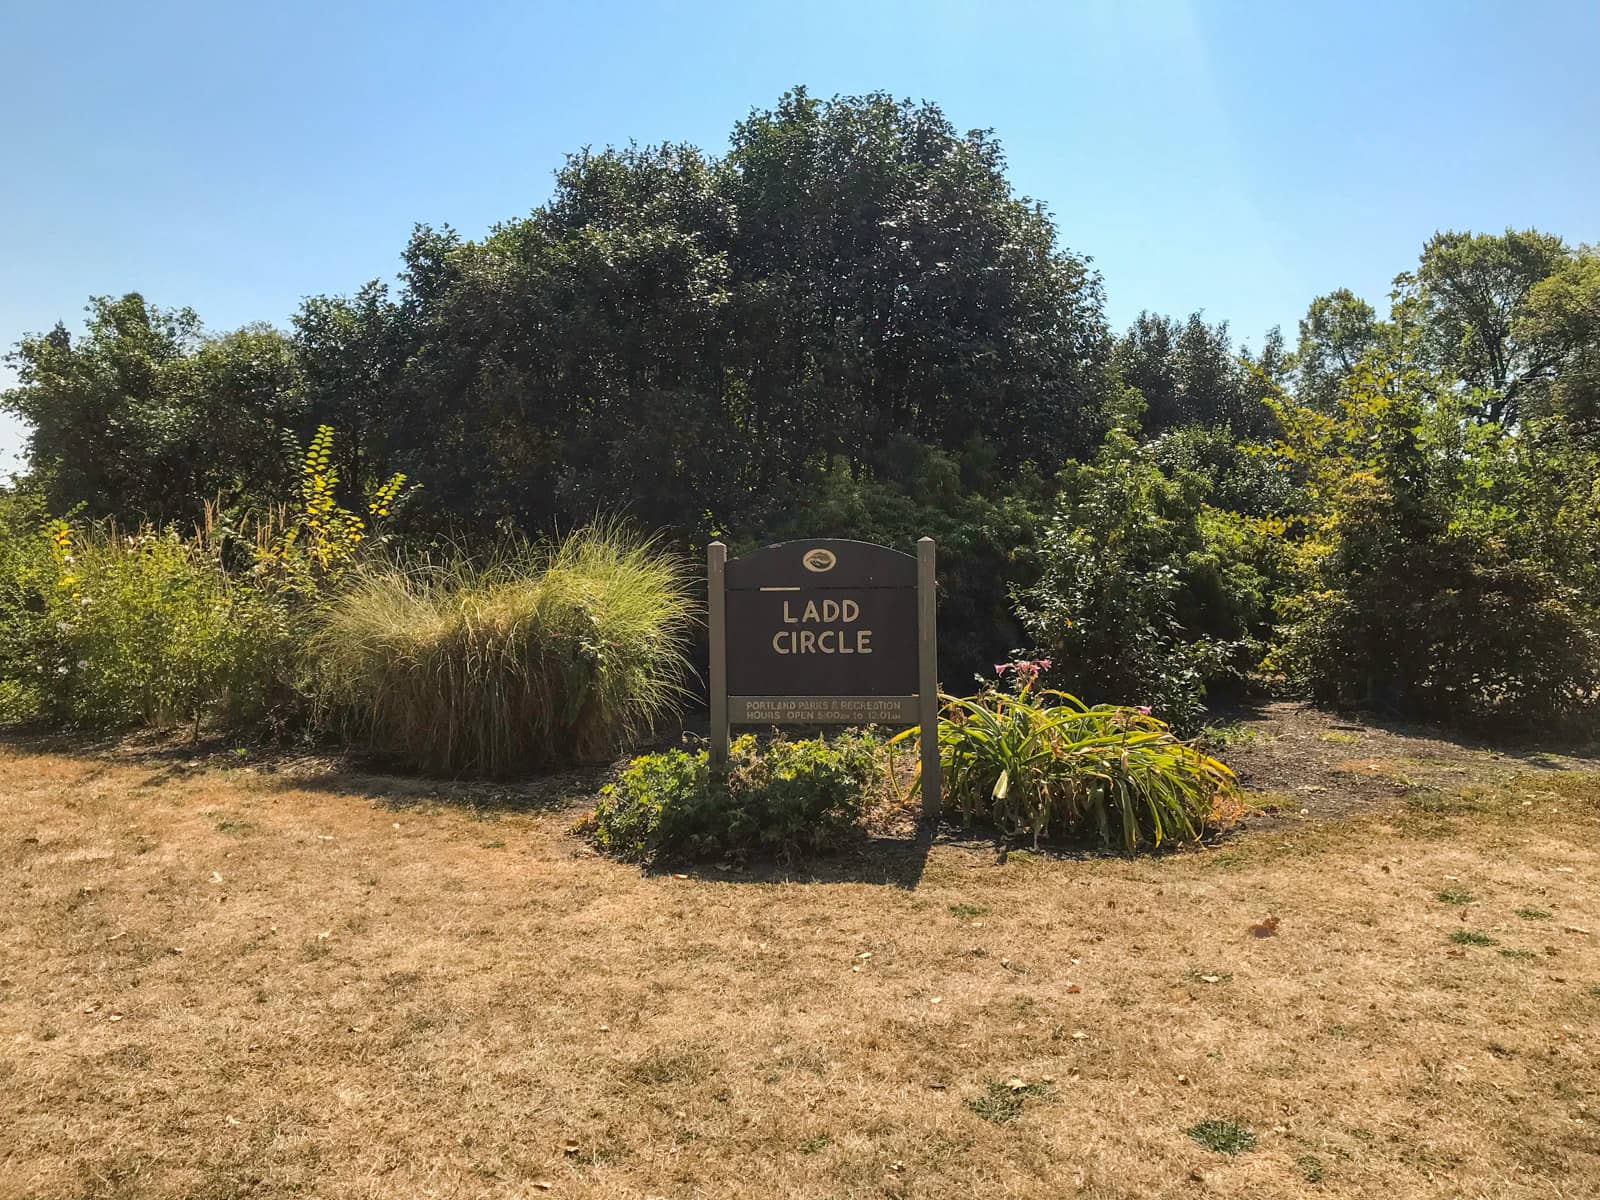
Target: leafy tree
{"type": "Point", "coordinates": [1337, 330]}
{"type": "Point", "coordinates": [1562, 315]}
{"type": "Point", "coordinates": [144, 417]}
{"type": "Point", "coordinates": [884, 267]}
{"type": "Point", "coordinates": [1241, 477]}
{"type": "Point", "coordinates": [1145, 595]}
{"type": "Point", "coordinates": [1272, 366]}
{"type": "Point", "coordinates": [237, 394]}
{"type": "Point", "coordinates": [697, 341]}
{"type": "Point", "coordinates": [1471, 290]}
{"type": "Point", "coordinates": [1190, 375]}
{"type": "Point", "coordinates": [1445, 564]}
{"type": "Point", "coordinates": [1146, 357]}
{"type": "Point", "coordinates": [351, 358]}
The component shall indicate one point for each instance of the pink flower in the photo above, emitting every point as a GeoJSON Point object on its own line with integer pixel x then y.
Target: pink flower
{"type": "Point", "coordinates": [1000, 668]}
{"type": "Point", "coordinates": [1044, 664]}
{"type": "Point", "coordinates": [1144, 708]}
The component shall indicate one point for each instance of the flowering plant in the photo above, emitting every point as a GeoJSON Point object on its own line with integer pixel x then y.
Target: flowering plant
{"type": "Point", "coordinates": [1024, 673]}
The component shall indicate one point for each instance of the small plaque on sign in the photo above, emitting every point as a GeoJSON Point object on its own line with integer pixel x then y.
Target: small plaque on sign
{"type": "Point", "coordinates": [822, 710]}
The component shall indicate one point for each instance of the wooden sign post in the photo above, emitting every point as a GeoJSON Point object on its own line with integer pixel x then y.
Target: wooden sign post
{"type": "Point", "coordinates": [826, 632]}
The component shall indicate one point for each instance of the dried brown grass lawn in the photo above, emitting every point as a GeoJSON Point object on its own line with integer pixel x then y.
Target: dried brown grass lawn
{"type": "Point", "coordinates": [225, 984]}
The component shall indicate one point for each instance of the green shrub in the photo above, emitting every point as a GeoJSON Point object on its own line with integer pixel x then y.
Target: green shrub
{"type": "Point", "coordinates": [658, 806]}
{"type": "Point", "coordinates": [1440, 622]}
{"type": "Point", "coordinates": [27, 579]}
{"type": "Point", "coordinates": [544, 656]}
{"type": "Point", "coordinates": [1145, 592]}
{"type": "Point", "coordinates": [104, 630]}
{"type": "Point", "coordinates": [1045, 764]}
{"type": "Point", "coordinates": [1238, 477]}
{"type": "Point", "coordinates": [1449, 569]}
{"type": "Point", "coordinates": [784, 798]}
{"type": "Point", "coordinates": [101, 629]}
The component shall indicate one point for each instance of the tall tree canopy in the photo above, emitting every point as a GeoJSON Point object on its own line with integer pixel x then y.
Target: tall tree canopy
{"type": "Point", "coordinates": [1336, 332]}
{"type": "Point", "coordinates": [1471, 291]}
{"type": "Point", "coordinates": [1189, 374]}
{"type": "Point", "coordinates": [1562, 315]}
{"type": "Point", "coordinates": [688, 339]}
{"type": "Point", "coordinates": [698, 338]}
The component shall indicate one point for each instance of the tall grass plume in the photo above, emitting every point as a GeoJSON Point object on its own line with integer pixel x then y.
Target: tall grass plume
{"type": "Point", "coordinates": [542, 656]}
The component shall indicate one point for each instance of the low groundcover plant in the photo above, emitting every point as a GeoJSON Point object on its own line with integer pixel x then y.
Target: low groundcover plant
{"type": "Point", "coordinates": [781, 798]}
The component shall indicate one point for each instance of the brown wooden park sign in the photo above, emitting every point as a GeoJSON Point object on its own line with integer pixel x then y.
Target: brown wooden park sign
{"type": "Point", "coordinates": [825, 632]}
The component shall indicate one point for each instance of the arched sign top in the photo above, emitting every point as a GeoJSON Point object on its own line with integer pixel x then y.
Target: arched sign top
{"type": "Point", "coordinates": [817, 563]}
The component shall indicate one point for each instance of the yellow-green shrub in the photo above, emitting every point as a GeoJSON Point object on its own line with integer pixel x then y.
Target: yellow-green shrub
{"type": "Point", "coordinates": [102, 628]}
{"type": "Point", "coordinates": [117, 629]}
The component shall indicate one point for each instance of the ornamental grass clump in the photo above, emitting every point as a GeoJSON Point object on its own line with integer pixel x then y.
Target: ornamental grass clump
{"type": "Point", "coordinates": [545, 656]}
{"type": "Point", "coordinates": [1045, 765]}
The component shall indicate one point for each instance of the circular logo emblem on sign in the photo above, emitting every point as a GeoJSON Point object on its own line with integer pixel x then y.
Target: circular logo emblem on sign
{"type": "Point", "coordinates": [819, 559]}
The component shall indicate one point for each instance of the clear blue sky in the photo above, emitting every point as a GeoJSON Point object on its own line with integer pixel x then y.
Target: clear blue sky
{"type": "Point", "coordinates": [1235, 157]}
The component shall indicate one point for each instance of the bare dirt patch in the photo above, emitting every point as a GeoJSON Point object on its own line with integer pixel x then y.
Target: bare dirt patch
{"type": "Point", "coordinates": [1294, 758]}
{"type": "Point", "coordinates": [230, 983]}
